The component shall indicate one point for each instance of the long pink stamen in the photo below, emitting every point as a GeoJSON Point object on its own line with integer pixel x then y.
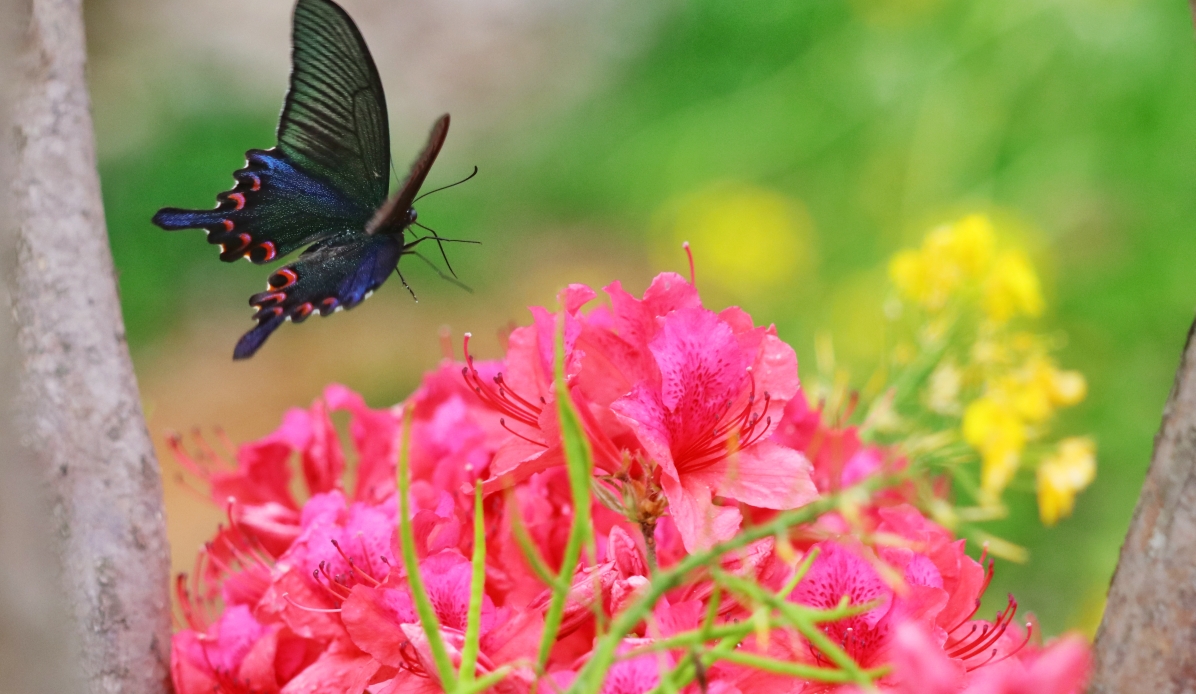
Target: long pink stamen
{"type": "Point", "coordinates": [322, 610]}
{"type": "Point", "coordinates": [502, 399]}
{"type": "Point", "coordinates": [966, 648]}
{"type": "Point", "coordinates": [693, 279]}
{"type": "Point", "coordinates": [354, 566]}
{"type": "Point", "coordinates": [731, 434]}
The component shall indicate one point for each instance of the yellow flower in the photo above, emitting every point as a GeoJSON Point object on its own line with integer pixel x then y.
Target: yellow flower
{"type": "Point", "coordinates": [1012, 288]}
{"type": "Point", "coordinates": [1063, 475]}
{"type": "Point", "coordinates": [949, 257]}
{"type": "Point", "coordinates": [972, 245]}
{"type": "Point", "coordinates": [1067, 387]}
{"type": "Point", "coordinates": [994, 429]}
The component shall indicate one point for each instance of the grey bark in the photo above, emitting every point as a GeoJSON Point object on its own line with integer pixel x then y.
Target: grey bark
{"type": "Point", "coordinates": [35, 655]}
{"type": "Point", "coordinates": [1147, 639]}
{"type": "Point", "coordinates": [79, 414]}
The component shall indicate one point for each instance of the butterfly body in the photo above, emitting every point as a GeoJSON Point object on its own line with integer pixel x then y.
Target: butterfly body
{"type": "Point", "coordinates": [323, 187]}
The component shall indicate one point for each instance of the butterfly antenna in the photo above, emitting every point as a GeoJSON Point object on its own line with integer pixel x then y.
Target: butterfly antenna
{"type": "Point", "coordinates": [443, 276]}
{"type": "Point", "coordinates": [437, 190]}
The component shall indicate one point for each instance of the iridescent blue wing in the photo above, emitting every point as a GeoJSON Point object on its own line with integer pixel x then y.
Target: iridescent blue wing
{"type": "Point", "coordinates": [329, 172]}
{"type": "Point", "coordinates": [335, 274]}
{"type": "Point", "coordinates": [275, 209]}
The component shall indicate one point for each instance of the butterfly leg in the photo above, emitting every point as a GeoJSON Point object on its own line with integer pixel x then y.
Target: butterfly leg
{"type": "Point", "coordinates": [443, 276]}
{"type": "Point", "coordinates": [408, 286]}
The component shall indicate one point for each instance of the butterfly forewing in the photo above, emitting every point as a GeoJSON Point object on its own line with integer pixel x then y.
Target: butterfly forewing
{"type": "Point", "coordinates": [334, 121]}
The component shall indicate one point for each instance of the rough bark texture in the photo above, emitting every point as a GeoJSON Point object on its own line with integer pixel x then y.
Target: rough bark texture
{"type": "Point", "coordinates": [35, 652]}
{"type": "Point", "coordinates": [80, 416]}
{"type": "Point", "coordinates": [1147, 640]}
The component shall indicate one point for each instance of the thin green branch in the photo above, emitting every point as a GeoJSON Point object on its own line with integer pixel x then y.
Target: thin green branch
{"type": "Point", "coordinates": [477, 591]}
{"type": "Point", "coordinates": [589, 680]}
{"type": "Point", "coordinates": [419, 594]}
{"type": "Point", "coordinates": [802, 620]}
{"type": "Point", "coordinates": [579, 463]}
{"type": "Point", "coordinates": [526, 545]}
{"type": "Point", "coordinates": [806, 672]}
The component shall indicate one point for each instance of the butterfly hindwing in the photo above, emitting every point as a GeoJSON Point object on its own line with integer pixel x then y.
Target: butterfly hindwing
{"type": "Point", "coordinates": [334, 121]}
{"type": "Point", "coordinates": [275, 209]}
{"type": "Point", "coordinates": [338, 273]}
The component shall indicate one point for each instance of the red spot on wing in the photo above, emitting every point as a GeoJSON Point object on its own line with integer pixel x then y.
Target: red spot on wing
{"type": "Point", "coordinates": [267, 248]}
{"type": "Point", "coordinates": [257, 183]}
{"type": "Point", "coordinates": [301, 311]}
{"type": "Point", "coordinates": [228, 224]}
{"type": "Point", "coordinates": [271, 299]}
{"type": "Point", "coordinates": [284, 278]}
{"type": "Point", "coordinates": [239, 199]}
{"type": "Point", "coordinates": [328, 304]}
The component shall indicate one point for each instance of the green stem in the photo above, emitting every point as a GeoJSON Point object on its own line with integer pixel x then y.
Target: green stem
{"type": "Point", "coordinates": [579, 464]}
{"type": "Point", "coordinates": [419, 594]}
{"type": "Point", "coordinates": [589, 680]}
{"type": "Point", "coordinates": [806, 672]}
{"type": "Point", "coordinates": [477, 590]}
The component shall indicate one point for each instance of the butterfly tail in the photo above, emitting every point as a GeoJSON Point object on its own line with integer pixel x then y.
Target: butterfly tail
{"type": "Point", "coordinates": [251, 341]}
{"type": "Point", "coordinates": [173, 219]}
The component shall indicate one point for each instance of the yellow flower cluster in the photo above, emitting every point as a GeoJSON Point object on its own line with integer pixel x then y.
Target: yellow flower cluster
{"type": "Point", "coordinates": [1014, 407]}
{"type": "Point", "coordinates": [1062, 475]}
{"type": "Point", "coordinates": [961, 259]}
{"type": "Point", "coordinates": [1010, 384]}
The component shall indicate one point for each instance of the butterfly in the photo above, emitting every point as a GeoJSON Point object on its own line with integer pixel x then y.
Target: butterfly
{"type": "Point", "coordinates": [323, 186]}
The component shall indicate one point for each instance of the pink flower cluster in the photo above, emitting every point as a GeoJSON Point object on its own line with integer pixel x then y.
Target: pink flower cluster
{"type": "Point", "coordinates": [696, 420]}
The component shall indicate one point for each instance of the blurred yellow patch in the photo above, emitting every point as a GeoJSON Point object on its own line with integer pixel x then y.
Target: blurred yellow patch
{"type": "Point", "coordinates": [745, 239]}
{"type": "Point", "coordinates": [1012, 288]}
{"type": "Point", "coordinates": [950, 257]}
{"type": "Point", "coordinates": [994, 428]}
{"type": "Point", "coordinates": [1064, 474]}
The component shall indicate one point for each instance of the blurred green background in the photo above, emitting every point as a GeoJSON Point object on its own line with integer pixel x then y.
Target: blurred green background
{"type": "Point", "coordinates": [846, 128]}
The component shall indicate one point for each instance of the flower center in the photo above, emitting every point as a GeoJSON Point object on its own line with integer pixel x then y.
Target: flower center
{"type": "Point", "coordinates": [733, 432]}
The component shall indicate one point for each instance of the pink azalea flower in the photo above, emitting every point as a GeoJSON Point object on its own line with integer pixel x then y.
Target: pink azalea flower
{"type": "Point", "coordinates": [921, 667]}
{"type": "Point", "coordinates": [257, 483]}
{"type": "Point", "coordinates": [699, 414]}
{"type": "Point", "coordinates": [705, 415]}
{"type": "Point", "coordinates": [382, 621]}
{"type": "Point", "coordinates": [237, 655]}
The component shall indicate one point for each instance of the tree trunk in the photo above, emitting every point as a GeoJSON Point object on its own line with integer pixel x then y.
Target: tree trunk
{"type": "Point", "coordinates": [1147, 639]}
{"type": "Point", "coordinates": [79, 413]}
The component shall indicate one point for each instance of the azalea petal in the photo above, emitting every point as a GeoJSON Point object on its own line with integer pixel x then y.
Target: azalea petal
{"type": "Point", "coordinates": [334, 673]}
{"type": "Point", "coordinates": [920, 665]}
{"type": "Point", "coordinates": [372, 620]}
{"type": "Point", "coordinates": [766, 475]}
{"type": "Point", "coordinates": [323, 460]}
{"type": "Point", "coordinates": [698, 520]}
{"type": "Point", "coordinates": [374, 434]}
{"type": "Point", "coordinates": [574, 296]}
